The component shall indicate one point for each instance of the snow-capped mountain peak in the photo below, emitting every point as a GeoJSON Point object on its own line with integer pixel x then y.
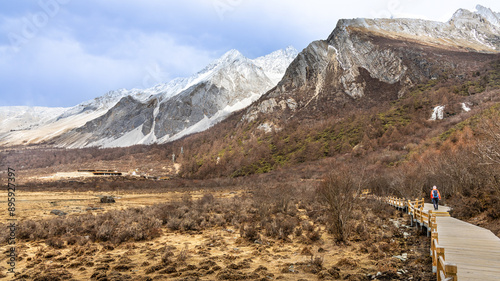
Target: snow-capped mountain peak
{"type": "Point", "coordinates": [230, 56]}
{"type": "Point", "coordinates": [164, 112]}
{"type": "Point", "coordinates": [275, 64]}
{"type": "Point", "coordinates": [489, 15]}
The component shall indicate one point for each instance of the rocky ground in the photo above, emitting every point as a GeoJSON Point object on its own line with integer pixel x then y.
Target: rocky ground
{"type": "Point", "coordinates": [381, 247]}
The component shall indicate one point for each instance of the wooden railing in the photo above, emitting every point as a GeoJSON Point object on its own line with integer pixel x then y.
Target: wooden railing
{"type": "Point", "coordinates": [445, 271]}
{"type": "Point", "coordinates": [427, 219]}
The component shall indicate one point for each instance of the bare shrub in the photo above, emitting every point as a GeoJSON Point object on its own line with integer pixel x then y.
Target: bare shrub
{"type": "Point", "coordinates": [339, 190]}
{"type": "Point", "coordinates": [249, 232]}
{"type": "Point", "coordinates": [489, 148]}
{"type": "Point", "coordinates": [57, 243]}
{"type": "Point", "coordinates": [105, 231]}
{"type": "Point", "coordinates": [308, 226]}
{"type": "Point", "coordinates": [165, 258]}
{"type": "Point", "coordinates": [174, 223]}
{"type": "Point", "coordinates": [287, 226]}
{"type": "Point", "coordinates": [272, 227]}
{"type": "Point", "coordinates": [72, 240]}
{"type": "Point", "coordinates": [317, 261]}
{"type": "Point", "coordinates": [183, 254]}
{"type": "Point", "coordinates": [408, 181]}
{"type": "Point", "coordinates": [186, 199]}
{"type": "Point", "coordinates": [217, 220]}
{"type": "Point", "coordinates": [299, 231]}
{"type": "Point", "coordinates": [282, 196]}
{"type": "Point", "coordinates": [314, 235]}
{"type": "Point", "coordinates": [207, 198]}
{"type": "Point", "coordinates": [189, 223]}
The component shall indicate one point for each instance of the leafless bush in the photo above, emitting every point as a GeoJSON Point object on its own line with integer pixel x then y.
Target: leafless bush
{"type": "Point", "coordinates": [105, 231]}
{"type": "Point", "coordinates": [186, 199]}
{"type": "Point", "coordinates": [207, 198]}
{"type": "Point", "coordinates": [408, 182]}
{"type": "Point", "coordinates": [308, 226]}
{"type": "Point", "coordinates": [249, 232]}
{"type": "Point", "coordinates": [165, 257]}
{"type": "Point", "coordinates": [217, 220]}
{"type": "Point", "coordinates": [174, 223]}
{"type": "Point", "coordinates": [314, 235]}
{"type": "Point", "coordinates": [55, 243]}
{"type": "Point", "coordinates": [282, 196]}
{"type": "Point", "coordinates": [73, 240]}
{"type": "Point", "coordinates": [489, 148]}
{"type": "Point", "coordinates": [189, 224]}
{"type": "Point", "coordinates": [183, 255]}
{"type": "Point", "coordinates": [317, 261]}
{"type": "Point", "coordinates": [298, 231]}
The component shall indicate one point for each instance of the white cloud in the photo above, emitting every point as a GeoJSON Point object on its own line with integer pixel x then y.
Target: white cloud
{"type": "Point", "coordinates": [76, 72]}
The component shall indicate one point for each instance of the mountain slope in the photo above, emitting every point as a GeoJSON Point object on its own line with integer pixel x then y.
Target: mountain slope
{"type": "Point", "coordinates": [377, 60]}
{"type": "Point", "coordinates": [362, 89]}
{"type": "Point", "coordinates": [164, 112]}
{"type": "Point", "coordinates": [21, 117]}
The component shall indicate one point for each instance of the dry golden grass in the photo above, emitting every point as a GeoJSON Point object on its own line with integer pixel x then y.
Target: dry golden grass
{"type": "Point", "coordinates": [204, 235]}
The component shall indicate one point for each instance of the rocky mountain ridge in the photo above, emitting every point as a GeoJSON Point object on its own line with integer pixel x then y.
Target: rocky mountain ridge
{"type": "Point", "coordinates": [161, 113]}
{"type": "Point", "coordinates": [376, 60]}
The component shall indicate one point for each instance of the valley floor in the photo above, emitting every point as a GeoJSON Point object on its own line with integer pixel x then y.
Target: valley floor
{"type": "Point", "coordinates": [221, 234]}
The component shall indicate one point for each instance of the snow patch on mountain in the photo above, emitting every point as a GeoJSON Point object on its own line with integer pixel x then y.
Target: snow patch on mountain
{"type": "Point", "coordinates": [466, 106]}
{"type": "Point", "coordinates": [38, 133]}
{"type": "Point", "coordinates": [14, 118]}
{"type": "Point", "coordinates": [437, 113]}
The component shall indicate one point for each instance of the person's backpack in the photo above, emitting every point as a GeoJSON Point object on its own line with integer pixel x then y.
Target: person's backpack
{"type": "Point", "coordinates": [435, 194]}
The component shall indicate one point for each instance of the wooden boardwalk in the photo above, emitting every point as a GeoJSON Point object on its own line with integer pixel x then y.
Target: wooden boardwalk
{"type": "Point", "coordinates": [461, 251]}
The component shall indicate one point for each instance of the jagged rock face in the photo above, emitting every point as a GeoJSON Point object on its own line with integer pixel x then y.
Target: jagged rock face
{"type": "Point", "coordinates": [240, 82]}
{"type": "Point", "coordinates": [376, 60]}
{"type": "Point", "coordinates": [356, 51]}
{"type": "Point", "coordinates": [128, 114]}
{"type": "Point", "coordinates": [302, 82]}
{"type": "Point", "coordinates": [186, 109]}
{"type": "Point", "coordinates": [119, 119]}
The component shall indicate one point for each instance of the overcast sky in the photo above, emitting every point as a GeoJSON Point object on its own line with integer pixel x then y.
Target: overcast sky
{"type": "Point", "coordinates": [63, 52]}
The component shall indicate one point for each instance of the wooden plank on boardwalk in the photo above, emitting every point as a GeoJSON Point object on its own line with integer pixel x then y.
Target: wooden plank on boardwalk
{"type": "Point", "coordinates": [475, 250]}
{"type": "Point", "coordinates": [429, 206]}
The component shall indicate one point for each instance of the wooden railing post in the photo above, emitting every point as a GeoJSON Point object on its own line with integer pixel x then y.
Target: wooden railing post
{"type": "Point", "coordinates": [439, 262]}
{"type": "Point", "coordinates": [434, 244]}
{"type": "Point", "coordinates": [450, 271]}
{"type": "Point", "coordinates": [433, 223]}
{"type": "Point", "coordinates": [421, 218]}
{"type": "Point", "coordinates": [429, 223]}
{"type": "Point", "coordinates": [410, 212]}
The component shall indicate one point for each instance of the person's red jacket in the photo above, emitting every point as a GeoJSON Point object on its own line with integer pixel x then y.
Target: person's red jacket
{"type": "Point", "coordinates": [439, 194]}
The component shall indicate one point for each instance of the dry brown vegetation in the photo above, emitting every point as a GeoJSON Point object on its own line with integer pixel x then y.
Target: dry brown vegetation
{"type": "Point", "coordinates": [272, 231]}
{"type": "Point", "coordinates": [295, 213]}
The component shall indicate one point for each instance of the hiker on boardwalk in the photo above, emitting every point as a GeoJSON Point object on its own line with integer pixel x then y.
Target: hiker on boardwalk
{"type": "Point", "coordinates": [435, 196]}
